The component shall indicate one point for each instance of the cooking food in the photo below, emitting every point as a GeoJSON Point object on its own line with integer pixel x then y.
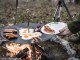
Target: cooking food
{"type": "Point", "coordinates": [48, 29]}
{"type": "Point", "coordinates": [31, 35]}
{"type": "Point", "coordinates": [37, 34]}
{"type": "Point", "coordinates": [10, 33]}
{"type": "Point", "coordinates": [10, 30]}
{"type": "Point", "coordinates": [28, 35]}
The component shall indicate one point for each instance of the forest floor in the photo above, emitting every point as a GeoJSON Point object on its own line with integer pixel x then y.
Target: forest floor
{"type": "Point", "coordinates": [54, 49]}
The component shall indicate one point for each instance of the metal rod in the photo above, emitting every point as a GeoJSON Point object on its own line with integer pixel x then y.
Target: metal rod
{"type": "Point", "coordinates": [16, 10]}
{"type": "Point", "coordinates": [67, 10]}
{"type": "Point", "coordinates": [28, 15]}
{"type": "Point", "coordinates": [58, 11]}
{"type": "Point", "coordinates": [16, 4]}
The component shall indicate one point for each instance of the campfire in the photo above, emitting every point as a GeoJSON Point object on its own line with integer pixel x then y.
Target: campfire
{"type": "Point", "coordinates": [26, 51]}
{"type": "Point", "coordinates": [23, 51]}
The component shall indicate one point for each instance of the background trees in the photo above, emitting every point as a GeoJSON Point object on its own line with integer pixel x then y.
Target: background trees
{"type": "Point", "coordinates": [38, 10]}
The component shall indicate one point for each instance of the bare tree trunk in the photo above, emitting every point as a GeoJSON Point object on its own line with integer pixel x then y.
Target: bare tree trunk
{"type": "Point", "coordinates": [77, 1]}
{"type": "Point", "coordinates": [70, 1]}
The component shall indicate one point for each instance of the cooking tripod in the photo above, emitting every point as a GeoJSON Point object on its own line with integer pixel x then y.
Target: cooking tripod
{"type": "Point", "coordinates": [57, 14]}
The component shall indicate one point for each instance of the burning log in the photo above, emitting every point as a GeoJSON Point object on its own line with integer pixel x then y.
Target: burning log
{"type": "Point", "coordinates": [14, 49]}
{"type": "Point", "coordinates": [22, 53]}
{"type": "Point", "coordinates": [44, 54]}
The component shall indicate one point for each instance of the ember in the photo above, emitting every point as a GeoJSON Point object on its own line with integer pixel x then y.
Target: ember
{"type": "Point", "coordinates": [14, 48]}
{"type": "Point", "coordinates": [21, 51]}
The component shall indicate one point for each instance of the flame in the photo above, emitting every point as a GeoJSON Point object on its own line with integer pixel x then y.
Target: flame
{"type": "Point", "coordinates": [14, 49]}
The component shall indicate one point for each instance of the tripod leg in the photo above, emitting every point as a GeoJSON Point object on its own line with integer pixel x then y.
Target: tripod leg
{"type": "Point", "coordinates": [67, 10]}
{"type": "Point", "coordinates": [16, 11]}
{"type": "Point", "coordinates": [15, 18]}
